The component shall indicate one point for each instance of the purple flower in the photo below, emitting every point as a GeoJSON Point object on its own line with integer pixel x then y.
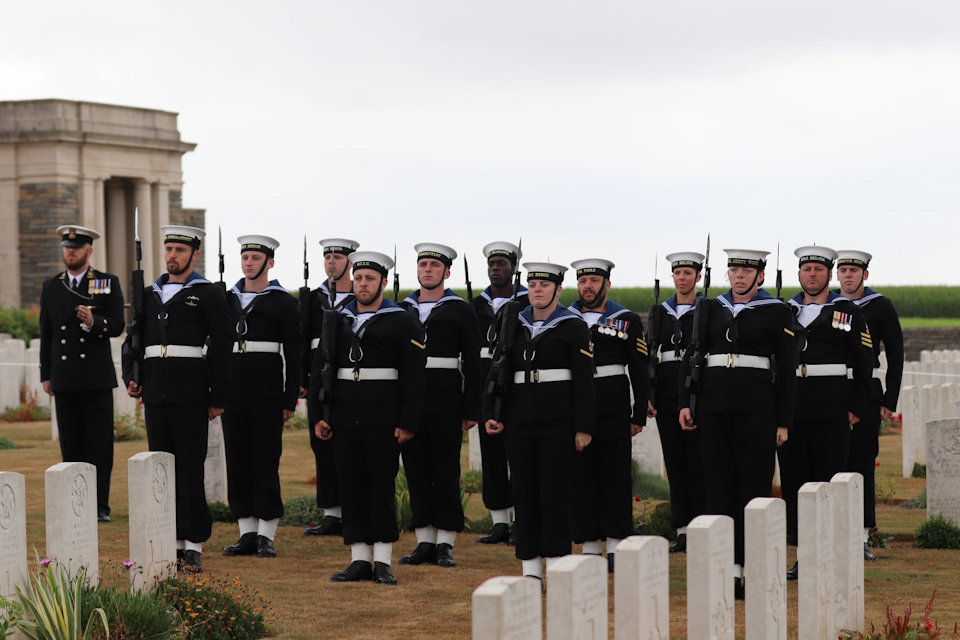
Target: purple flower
{"type": "Point", "coordinates": [127, 564]}
{"type": "Point", "coordinates": [44, 562]}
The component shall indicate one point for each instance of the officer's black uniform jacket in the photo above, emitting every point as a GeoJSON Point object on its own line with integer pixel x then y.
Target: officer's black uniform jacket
{"type": "Point", "coordinates": [562, 342]}
{"type": "Point", "coordinates": [763, 328]}
{"type": "Point", "coordinates": [822, 343]}
{"type": "Point", "coordinates": [626, 346]}
{"type": "Point", "coordinates": [319, 300]}
{"type": "Point", "coordinates": [391, 338]}
{"type": "Point", "coordinates": [272, 316]}
{"type": "Point", "coordinates": [673, 336]}
{"type": "Point", "coordinates": [197, 312]}
{"type": "Point", "coordinates": [451, 332]}
{"type": "Point", "coordinates": [884, 327]}
{"type": "Point", "coordinates": [70, 358]}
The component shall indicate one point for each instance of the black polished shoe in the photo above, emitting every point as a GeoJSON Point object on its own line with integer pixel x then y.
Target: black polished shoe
{"type": "Point", "coordinates": [245, 546]}
{"type": "Point", "coordinates": [382, 574]}
{"type": "Point", "coordinates": [191, 561]}
{"type": "Point", "coordinates": [739, 589]}
{"type": "Point", "coordinates": [445, 555]}
{"type": "Point", "coordinates": [425, 553]}
{"type": "Point", "coordinates": [679, 545]}
{"type": "Point", "coordinates": [358, 571]}
{"type": "Point", "coordinates": [610, 562]}
{"type": "Point", "coordinates": [265, 547]}
{"type": "Point", "coordinates": [793, 572]}
{"type": "Point", "coordinates": [867, 554]}
{"type": "Point", "coordinates": [499, 533]}
{"type": "Point", "coordinates": [103, 514]}
{"type": "Point", "coordinates": [329, 526]}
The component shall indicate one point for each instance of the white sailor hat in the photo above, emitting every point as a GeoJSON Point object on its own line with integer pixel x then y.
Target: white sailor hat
{"type": "Point", "coordinates": [73, 235]}
{"type": "Point", "coordinates": [818, 254]}
{"type": "Point", "coordinates": [263, 244]}
{"type": "Point", "coordinates": [685, 259]}
{"type": "Point", "coordinates": [544, 271]}
{"type": "Point", "coordinates": [508, 250]}
{"type": "Point", "coordinates": [379, 262]}
{"type": "Point", "coordinates": [440, 252]}
{"type": "Point", "coordinates": [182, 234]}
{"type": "Point", "coordinates": [593, 267]}
{"type": "Point", "coordinates": [339, 245]}
{"type": "Point", "coordinates": [853, 257]}
{"type": "Point", "coordinates": [746, 258]}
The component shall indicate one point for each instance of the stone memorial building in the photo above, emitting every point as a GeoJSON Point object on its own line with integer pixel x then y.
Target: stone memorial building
{"type": "Point", "coordinates": [68, 162]}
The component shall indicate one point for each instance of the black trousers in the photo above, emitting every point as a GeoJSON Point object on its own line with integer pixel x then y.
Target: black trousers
{"type": "Point", "coordinates": [182, 431]}
{"type": "Point", "coordinates": [864, 448]}
{"type": "Point", "coordinates": [541, 462]}
{"type": "Point", "coordinates": [367, 461]}
{"type": "Point", "coordinates": [85, 423]}
{"type": "Point", "coordinates": [252, 439]}
{"type": "Point", "coordinates": [602, 488]}
{"type": "Point", "coordinates": [328, 485]}
{"type": "Point", "coordinates": [737, 449]}
{"type": "Point", "coordinates": [681, 455]}
{"type": "Point", "coordinates": [815, 450]}
{"type": "Point", "coordinates": [431, 461]}
{"type": "Point", "coordinates": [497, 490]}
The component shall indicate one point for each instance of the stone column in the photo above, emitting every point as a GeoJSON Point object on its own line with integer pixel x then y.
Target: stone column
{"type": "Point", "coordinates": [577, 598]}
{"type": "Point", "coordinates": [153, 517]}
{"type": "Point", "coordinates": [13, 534]}
{"type": "Point", "coordinates": [642, 589]}
{"type": "Point", "coordinates": [710, 578]}
{"type": "Point", "coordinates": [116, 229]}
{"type": "Point", "coordinates": [765, 568]}
{"type": "Point", "coordinates": [848, 600]}
{"type": "Point", "coordinates": [100, 216]}
{"type": "Point", "coordinates": [71, 511]}
{"type": "Point", "coordinates": [815, 558]}
{"type": "Point", "coordinates": [144, 204]}
{"type": "Point", "coordinates": [10, 238]}
{"type": "Point", "coordinates": [507, 608]}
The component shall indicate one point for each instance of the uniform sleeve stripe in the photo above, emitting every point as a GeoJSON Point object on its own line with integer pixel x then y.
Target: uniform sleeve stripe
{"type": "Point", "coordinates": [788, 332]}
{"type": "Point", "coordinates": [586, 353]}
{"type": "Point", "coordinates": [417, 344]}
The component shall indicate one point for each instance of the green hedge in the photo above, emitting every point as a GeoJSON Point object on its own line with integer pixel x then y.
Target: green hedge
{"type": "Point", "coordinates": [22, 325]}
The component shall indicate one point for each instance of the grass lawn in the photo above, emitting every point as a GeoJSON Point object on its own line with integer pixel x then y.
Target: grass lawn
{"type": "Point", "coordinates": [431, 602]}
{"type": "Point", "coordinates": [929, 322]}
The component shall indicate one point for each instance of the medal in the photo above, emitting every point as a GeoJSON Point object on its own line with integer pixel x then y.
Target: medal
{"type": "Point", "coordinates": [835, 323]}
{"type": "Point", "coordinates": [848, 322]}
{"type": "Point", "coordinates": [621, 334]}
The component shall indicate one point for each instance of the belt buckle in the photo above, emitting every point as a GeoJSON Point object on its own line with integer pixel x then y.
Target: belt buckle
{"type": "Point", "coordinates": [729, 361]}
{"type": "Point", "coordinates": [163, 351]}
{"type": "Point", "coordinates": [243, 346]}
{"type": "Point", "coordinates": [803, 370]}
{"type": "Point", "coordinates": [536, 376]}
{"type": "Point", "coordinates": [356, 374]}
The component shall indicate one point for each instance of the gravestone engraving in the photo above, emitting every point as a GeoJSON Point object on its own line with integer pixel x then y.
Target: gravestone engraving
{"type": "Point", "coordinates": [710, 595]}
{"type": "Point", "coordinates": [71, 511]}
{"type": "Point", "coordinates": [13, 534]}
{"type": "Point", "coordinates": [577, 598]}
{"type": "Point", "coordinates": [815, 591]}
{"type": "Point", "coordinates": [153, 518]}
{"type": "Point", "coordinates": [943, 469]}
{"type": "Point", "coordinates": [765, 538]}
{"type": "Point", "coordinates": [641, 589]}
{"type": "Point", "coordinates": [507, 608]}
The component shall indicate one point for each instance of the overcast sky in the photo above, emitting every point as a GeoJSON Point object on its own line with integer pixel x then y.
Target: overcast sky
{"type": "Point", "coordinates": [622, 130]}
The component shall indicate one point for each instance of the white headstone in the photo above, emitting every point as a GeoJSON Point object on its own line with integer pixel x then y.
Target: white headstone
{"type": "Point", "coordinates": [13, 534]}
{"type": "Point", "coordinates": [943, 469]}
{"type": "Point", "coordinates": [765, 542]}
{"type": "Point", "coordinates": [642, 589]}
{"type": "Point", "coordinates": [577, 598]}
{"type": "Point", "coordinates": [848, 551]}
{"type": "Point", "coordinates": [710, 594]}
{"type": "Point", "coordinates": [815, 590]}
{"type": "Point", "coordinates": [11, 373]}
{"type": "Point", "coordinates": [646, 451]}
{"type": "Point", "coordinates": [215, 465]}
{"type": "Point", "coordinates": [153, 518]}
{"type": "Point", "coordinates": [948, 407]}
{"type": "Point", "coordinates": [71, 511]}
{"type": "Point", "coordinates": [508, 608]}
{"type": "Point", "coordinates": [912, 430]}
{"type": "Point", "coordinates": [475, 454]}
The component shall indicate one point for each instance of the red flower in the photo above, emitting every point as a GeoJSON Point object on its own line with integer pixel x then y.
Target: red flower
{"type": "Point", "coordinates": [637, 499]}
{"type": "Point", "coordinates": [878, 464]}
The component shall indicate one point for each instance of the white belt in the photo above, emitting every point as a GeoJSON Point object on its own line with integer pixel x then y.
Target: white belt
{"type": "Point", "coordinates": [367, 373]}
{"type": "Point", "coordinates": [669, 356]}
{"type": "Point", "coordinates": [315, 343]}
{"type": "Point", "coordinates": [256, 346]}
{"type": "Point", "coordinates": [435, 362]}
{"type": "Point", "coordinates": [821, 370]}
{"type": "Point", "coordinates": [876, 374]}
{"type": "Point", "coordinates": [607, 370]}
{"type": "Point", "coordinates": [172, 351]}
{"type": "Point", "coordinates": [543, 375]}
{"type": "Point", "coordinates": [737, 361]}
{"type": "Point", "coordinates": [485, 353]}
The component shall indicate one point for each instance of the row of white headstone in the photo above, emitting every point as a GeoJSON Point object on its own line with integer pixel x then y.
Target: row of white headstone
{"type": "Point", "coordinates": [71, 521]}
{"type": "Point", "coordinates": [830, 589]}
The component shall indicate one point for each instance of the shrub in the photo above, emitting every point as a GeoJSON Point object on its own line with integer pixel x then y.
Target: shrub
{"type": "Point", "coordinates": [483, 525]}
{"type": "Point", "coordinates": [920, 502]}
{"type": "Point", "coordinates": [472, 481]}
{"type": "Point", "coordinates": [878, 539]}
{"type": "Point", "coordinates": [52, 601]}
{"type": "Point", "coordinates": [899, 628]}
{"type": "Point", "coordinates": [10, 614]}
{"type": "Point", "coordinates": [7, 443]}
{"type": "Point", "coordinates": [649, 486]}
{"type": "Point", "coordinates": [215, 608]}
{"type": "Point", "coordinates": [884, 490]}
{"type": "Point", "coordinates": [296, 423]}
{"type": "Point", "coordinates": [130, 614]}
{"type": "Point", "coordinates": [21, 325]}
{"type": "Point", "coordinates": [127, 428]}
{"type": "Point", "coordinates": [301, 511]}
{"type": "Point", "coordinates": [919, 470]}
{"type": "Point", "coordinates": [220, 512]}
{"type": "Point", "coordinates": [29, 409]}
{"type": "Point", "coordinates": [654, 519]}
{"type": "Point", "coordinates": [404, 509]}
{"type": "Point", "coordinates": [938, 533]}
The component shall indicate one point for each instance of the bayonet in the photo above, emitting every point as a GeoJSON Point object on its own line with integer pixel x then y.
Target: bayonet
{"type": "Point", "coordinates": [396, 276]}
{"type": "Point", "coordinates": [656, 281]}
{"type": "Point", "coordinates": [466, 273]}
{"type": "Point", "coordinates": [779, 274]}
{"type": "Point", "coordinates": [220, 254]}
{"type": "Point", "coordinates": [706, 270]}
{"type": "Point", "coordinates": [306, 265]}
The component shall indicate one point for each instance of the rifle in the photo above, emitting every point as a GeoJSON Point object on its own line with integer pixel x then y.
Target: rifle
{"type": "Point", "coordinates": [133, 347]}
{"type": "Point", "coordinates": [698, 354]}
{"type": "Point", "coordinates": [329, 328]}
{"type": "Point", "coordinates": [220, 256]}
{"type": "Point", "coordinates": [396, 276]}
{"type": "Point", "coordinates": [303, 301]}
{"type": "Point", "coordinates": [501, 374]}
{"type": "Point", "coordinates": [779, 274]}
{"type": "Point", "coordinates": [653, 328]}
{"type": "Point", "coordinates": [466, 272]}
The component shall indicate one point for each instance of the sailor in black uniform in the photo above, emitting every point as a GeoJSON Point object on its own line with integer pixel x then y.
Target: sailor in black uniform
{"type": "Point", "coordinates": [668, 329]}
{"type": "Point", "coordinates": [183, 388]}
{"type": "Point", "coordinates": [832, 339]}
{"type": "Point", "coordinates": [81, 308]}
{"type": "Point", "coordinates": [503, 260]}
{"type": "Point", "coordinates": [548, 415]}
{"type": "Point", "coordinates": [884, 324]}
{"type": "Point", "coordinates": [743, 409]}
{"type": "Point", "coordinates": [603, 488]}
{"type": "Point", "coordinates": [336, 264]}
{"type": "Point", "coordinates": [451, 406]}
{"type": "Point", "coordinates": [376, 405]}
{"type": "Point", "coordinates": [264, 385]}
